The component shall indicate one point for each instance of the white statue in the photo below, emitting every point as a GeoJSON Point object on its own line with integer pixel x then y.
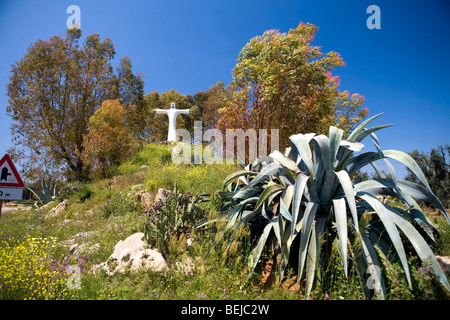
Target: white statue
{"type": "Point", "coordinates": [172, 114]}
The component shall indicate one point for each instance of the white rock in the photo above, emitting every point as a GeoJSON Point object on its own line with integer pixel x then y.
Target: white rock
{"type": "Point", "coordinates": [133, 253]}
{"type": "Point", "coordinates": [74, 248]}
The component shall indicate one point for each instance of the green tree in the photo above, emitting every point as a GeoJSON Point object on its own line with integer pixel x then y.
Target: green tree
{"type": "Point", "coordinates": [436, 169]}
{"type": "Point", "coordinates": [283, 81]}
{"type": "Point", "coordinates": [108, 142]}
{"type": "Point", "coordinates": [54, 90]}
{"type": "Point", "coordinates": [130, 89]}
{"type": "Point", "coordinates": [210, 102]}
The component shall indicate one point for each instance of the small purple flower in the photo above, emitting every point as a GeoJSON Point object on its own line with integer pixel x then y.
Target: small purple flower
{"type": "Point", "coordinates": [327, 296]}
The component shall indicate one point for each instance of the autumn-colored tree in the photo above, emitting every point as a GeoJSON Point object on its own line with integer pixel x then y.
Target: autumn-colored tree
{"type": "Point", "coordinates": [108, 141]}
{"type": "Point", "coordinates": [54, 90]}
{"type": "Point", "coordinates": [282, 81]}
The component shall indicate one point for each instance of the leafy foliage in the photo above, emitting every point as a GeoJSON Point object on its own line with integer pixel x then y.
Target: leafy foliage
{"type": "Point", "coordinates": [304, 201]}
{"type": "Point", "coordinates": [282, 81]}
{"type": "Point", "coordinates": [108, 142]}
{"type": "Point", "coordinates": [53, 91]}
{"type": "Point", "coordinates": [83, 193]}
{"type": "Point", "coordinates": [115, 206]}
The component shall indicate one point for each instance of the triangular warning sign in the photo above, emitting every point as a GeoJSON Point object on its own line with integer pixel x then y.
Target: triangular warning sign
{"type": "Point", "coordinates": [9, 177]}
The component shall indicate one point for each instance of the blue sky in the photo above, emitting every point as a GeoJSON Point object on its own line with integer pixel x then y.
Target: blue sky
{"type": "Point", "coordinates": [402, 69]}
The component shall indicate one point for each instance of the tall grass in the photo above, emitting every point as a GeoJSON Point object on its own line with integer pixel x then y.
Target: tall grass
{"type": "Point", "coordinates": [160, 172]}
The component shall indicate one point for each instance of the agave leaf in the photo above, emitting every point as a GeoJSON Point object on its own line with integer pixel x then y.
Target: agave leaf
{"type": "Point", "coordinates": [38, 194]}
{"type": "Point", "coordinates": [356, 163]}
{"type": "Point", "coordinates": [234, 213]}
{"type": "Point", "coordinates": [398, 191]}
{"type": "Point", "coordinates": [385, 218]}
{"type": "Point", "coordinates": [366, 132]}
{"type": "Point", "coordinates": [408, 161]}
{"type": "Point", "coordinates": [419, 244]}
{"type": "Point", "coordinates": [311, 260]}
{"type": "Point", "coordinates": [45, 190]}
{"type": "Point", "coordinates": [340, 213]}
{"type": "Point", "coordinates": [237, 174]}
{"type": "Point", "coordinates": [347, 186]}
{"type": "Point", "coordinates": [263, 212]}
{"type": "Point", "coordinates": [300, 144]}
{"type": "Point", "coordinates": [244, 193]}
{"type": "Point", "coordinates": [305, 232]}
{"type": "Point", "coordinates": [268, 170]}
{"type": "Point", "coordinates": [322, 162]}
{"type": "Point", "coordinates": [374, 266]}
{"type": "Point", "coordinates": [377, 169]}
{"type": "Point", "coordinates": [288, 195]}
{"type": "Point", "coordinates": [335, 137]}
{"type": "Point", "coordinates": [256, 252]}
{"type": "Point", "coordinates": [385, 187]}
{"type": "Point", "coordinates": [285, 161]}
{"type": "Point", "coordinates": [277, 229]}
{"type": "Point", "coordinates": [361, 127]}
{"type": "Point", "coordinates": [313, 257]}
{"type": "Point", "coordinates": [299, 188]}
{"type": "Point", "coordinates": [328, 187]}
{"type": "Point", "coordinates": [421, 219]}
{"type": "Point", "coordinates": [351, 145]}
{"type": "Point", "coordinates": [285, 211]}
{"type": "Point", "coordinates": [324, 146]}
{"type": "Point", "coordinates": [269, 191]}
{"type": "Point", "coordinates": [416, 191]}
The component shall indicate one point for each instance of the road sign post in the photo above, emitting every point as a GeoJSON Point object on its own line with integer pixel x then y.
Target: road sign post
{"type": "Point", "coordinates": [11, 184]}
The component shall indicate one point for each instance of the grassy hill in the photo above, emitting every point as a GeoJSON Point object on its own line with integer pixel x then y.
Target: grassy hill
{"type": "Point", "coordinates": [35, 250]}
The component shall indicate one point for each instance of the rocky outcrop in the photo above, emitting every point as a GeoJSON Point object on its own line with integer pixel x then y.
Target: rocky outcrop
{"type": "Point", "coordinates": [79, 244]}
{"type": "Point", "coordinates": [145, 199]}
{"type": "Point", "coordinates": [133, 254]}
{"type": "Point", "coordinates": [56, 211]}
{"type": "Point", "coordinates": [162, 193]}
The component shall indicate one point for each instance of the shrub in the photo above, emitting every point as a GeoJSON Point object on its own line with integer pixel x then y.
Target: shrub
{"type": "Point", "coordinates": [108, 142]}
{"type": "Point", "coordinates": [115, 206]}
{"type": "Point", "coordinates": [199, 179]}
{"type": "Point", "coordinates": [305, 196]}
{"type": "Point", "coordinates": [83, 193]}
{"type": "Point", "coordinates": [171, 219]}
{"type": "Point", "coordinates": [69, 190]}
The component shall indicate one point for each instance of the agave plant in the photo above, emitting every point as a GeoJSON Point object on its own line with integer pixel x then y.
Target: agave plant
{"type": "Point", "coordinates": [47, 193]}
{"type": "Point", "coordinates": [306, 197]}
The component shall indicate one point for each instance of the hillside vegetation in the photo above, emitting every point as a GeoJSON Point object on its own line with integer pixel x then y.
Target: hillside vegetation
{"type": "Point", "coordinates": [35, 249]}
